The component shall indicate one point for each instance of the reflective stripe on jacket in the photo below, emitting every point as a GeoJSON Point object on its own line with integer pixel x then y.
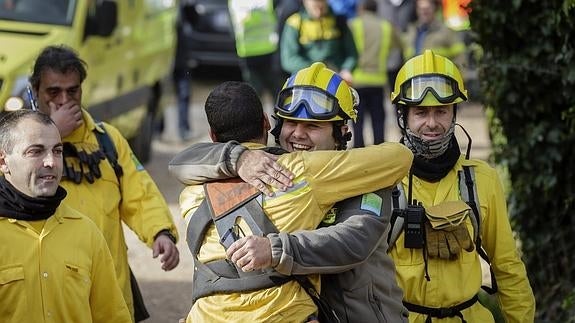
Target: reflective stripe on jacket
{"type": "Point", "coordinates": [373, 48]}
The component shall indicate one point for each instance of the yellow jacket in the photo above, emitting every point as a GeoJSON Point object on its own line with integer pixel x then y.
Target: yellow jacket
{"type": "Point", "coordinates": [453, 282]}
{"type": "Point", "coordinates": [136, 201]}
{"type": "Point", "coordinates": [63, 274]}
{"type": "Point", "coordinates": [322, 179]}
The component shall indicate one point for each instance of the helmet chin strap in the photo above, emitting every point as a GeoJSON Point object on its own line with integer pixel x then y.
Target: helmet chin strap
{"type": "Point", "coordinates": [469, 141]}
{"type": "Point", "coordinates": [277, 129]}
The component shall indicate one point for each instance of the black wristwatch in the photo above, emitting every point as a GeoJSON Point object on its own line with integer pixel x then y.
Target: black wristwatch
{"type": "Point", "coordinates": [167, 233]}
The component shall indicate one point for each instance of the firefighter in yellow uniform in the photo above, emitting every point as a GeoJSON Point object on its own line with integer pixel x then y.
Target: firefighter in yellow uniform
{"type": "Point", "coordinates": [104, 181]}
{"type": "Point", "coordinates": [314, 97]}
{"type": "Point", "coordinates": [438, 256]}
{"type": "Point", "coordinates": [54, 264]}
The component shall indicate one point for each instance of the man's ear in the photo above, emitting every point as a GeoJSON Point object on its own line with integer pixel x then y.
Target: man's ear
{"type": "Point", "coordinates": [267, 125]}
{"type": "Point", "coordinates": [344, 129]}
{"type": "Point", "coordinates": [212, 135]}
{"type": "Point", "coordinates": [3, 165]}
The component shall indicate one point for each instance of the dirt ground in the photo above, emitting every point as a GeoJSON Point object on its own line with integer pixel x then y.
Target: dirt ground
{"type": "Point", "coordinates": [167, 294]}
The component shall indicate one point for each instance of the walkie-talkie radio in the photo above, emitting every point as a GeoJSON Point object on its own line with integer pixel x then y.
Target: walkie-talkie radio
{"type": "Point", "coordinates": [414, 216]}
{"type": "Point", "coordinates": [413, 226]}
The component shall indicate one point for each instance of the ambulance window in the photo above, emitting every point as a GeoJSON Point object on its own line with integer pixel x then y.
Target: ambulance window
{"type": "Point", "coordinates": [55, 12]}
{"type": "Point", "coordinates": [154, 6]}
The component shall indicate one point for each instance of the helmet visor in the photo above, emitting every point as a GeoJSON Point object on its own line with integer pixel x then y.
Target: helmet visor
{"type": "Point", "coordinates": [318, 104]}
{"type": "Point", "coordinates": [443, 88]}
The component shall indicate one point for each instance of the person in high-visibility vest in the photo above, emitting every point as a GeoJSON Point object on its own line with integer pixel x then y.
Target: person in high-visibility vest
{"type": "Point", "coordinates": [374, 39]}
{"type": "Point", "coordinates": [429, 32]}
{"type": "Point", "coordinates": [255, 29]}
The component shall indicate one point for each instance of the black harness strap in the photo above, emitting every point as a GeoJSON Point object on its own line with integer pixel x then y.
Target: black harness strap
{"type": "Point", "coordinates": [109, 149]}
{"type": "Point", "coordinates": [399, 205]}
{"type": "Point", "coordinates": [222, 276]}
{"type": "Point", "coordinates": [441, 312]}
{"type": "Point", "coordinates": [470, 197]}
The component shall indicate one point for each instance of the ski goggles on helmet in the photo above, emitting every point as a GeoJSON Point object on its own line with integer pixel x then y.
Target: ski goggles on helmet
{"type": "Point", "coordinates": [443, 88]}
{"type": "Point", "coordinates": [308, 102]}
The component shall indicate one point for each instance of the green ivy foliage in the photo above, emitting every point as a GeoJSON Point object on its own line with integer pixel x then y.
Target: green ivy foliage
{"type": "Point", "coordinates": [527, 74]}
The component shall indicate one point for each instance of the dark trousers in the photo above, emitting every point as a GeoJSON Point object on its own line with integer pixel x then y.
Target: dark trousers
{"type": "Point", "coordinates": [262, 74]}
{"type": "Point", "coordinates": [371, 103]}
{"type": "Point", "coordinates": [182, 85]}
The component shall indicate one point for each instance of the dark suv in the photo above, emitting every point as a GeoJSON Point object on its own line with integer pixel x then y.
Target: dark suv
{"type": "Point", "coordinates": [208, 33]}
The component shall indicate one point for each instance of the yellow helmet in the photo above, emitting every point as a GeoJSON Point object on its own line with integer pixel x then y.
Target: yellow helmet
{"type": "Point", "coordinates": [428, 80]}
{"type": "Point", "coordinates": [317, 93]}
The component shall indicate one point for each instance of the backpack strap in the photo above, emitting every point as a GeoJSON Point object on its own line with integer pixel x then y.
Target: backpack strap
{"type": "Point", "coordinates": [107, 146]}
{"type": "Point", "coordinates": [399, 203]}
{"type": "Point", "coordinates": [468, 192]}
{"type": "Point", "coordinates": [225, 202]}
{"type": "Point", "coordinates": [232, 199]}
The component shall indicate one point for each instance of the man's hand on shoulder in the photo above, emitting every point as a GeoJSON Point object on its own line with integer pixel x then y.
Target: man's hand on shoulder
{"type": "Point", "coordinates": [258, 168]}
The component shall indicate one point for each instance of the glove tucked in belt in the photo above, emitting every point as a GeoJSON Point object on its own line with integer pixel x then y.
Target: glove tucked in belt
{"type": "Point", "coordinates": [445, 232]}
{"type": "Point", "coordinates": [82, 160]}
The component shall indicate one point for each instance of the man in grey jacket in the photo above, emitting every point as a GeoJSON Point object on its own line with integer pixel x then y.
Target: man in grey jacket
{"type": "Point", "coordinates": [358, 277]}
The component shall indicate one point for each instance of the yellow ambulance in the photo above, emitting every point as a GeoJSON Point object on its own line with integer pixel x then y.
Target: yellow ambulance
{"type": "Point", "coordinates": [128, 46]}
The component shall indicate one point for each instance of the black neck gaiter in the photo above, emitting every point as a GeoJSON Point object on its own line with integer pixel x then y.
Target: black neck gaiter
{"type": "Point", "coordinates": [435, 169]}
{"type": "Point", "coordinates": [16, 205]}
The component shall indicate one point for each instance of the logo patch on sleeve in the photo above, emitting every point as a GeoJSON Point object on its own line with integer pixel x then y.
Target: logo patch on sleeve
{"type": "Point", "coordinates": [137, 163]}
{"type": "Point", "coordinates": [329, 218]}
{"type": "Point", "coordinates": [371, 202]}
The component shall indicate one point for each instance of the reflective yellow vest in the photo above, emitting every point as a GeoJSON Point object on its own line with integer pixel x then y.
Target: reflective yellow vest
{"type": "Point", "coordinates": [255, 25]}
{"type": "Point", "coordinates": [372, 66]}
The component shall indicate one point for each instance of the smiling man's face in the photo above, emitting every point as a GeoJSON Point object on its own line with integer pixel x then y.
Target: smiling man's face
{"type": "Point", "coordinates": [307, 135]}
{"type": "Point", "coordinates": [430, 123]}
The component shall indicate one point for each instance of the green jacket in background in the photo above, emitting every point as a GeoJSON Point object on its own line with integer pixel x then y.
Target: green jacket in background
{"type": "Point", "coordinates": [328, 39]}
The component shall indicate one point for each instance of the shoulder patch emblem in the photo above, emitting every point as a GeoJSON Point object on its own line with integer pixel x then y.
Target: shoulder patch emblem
{"type": "Point", "coordinates": [371, 202]}
{"type": "Point", "coordinates": [139, 166]}
{"type": "Point", "coordinates": [329, 218]}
